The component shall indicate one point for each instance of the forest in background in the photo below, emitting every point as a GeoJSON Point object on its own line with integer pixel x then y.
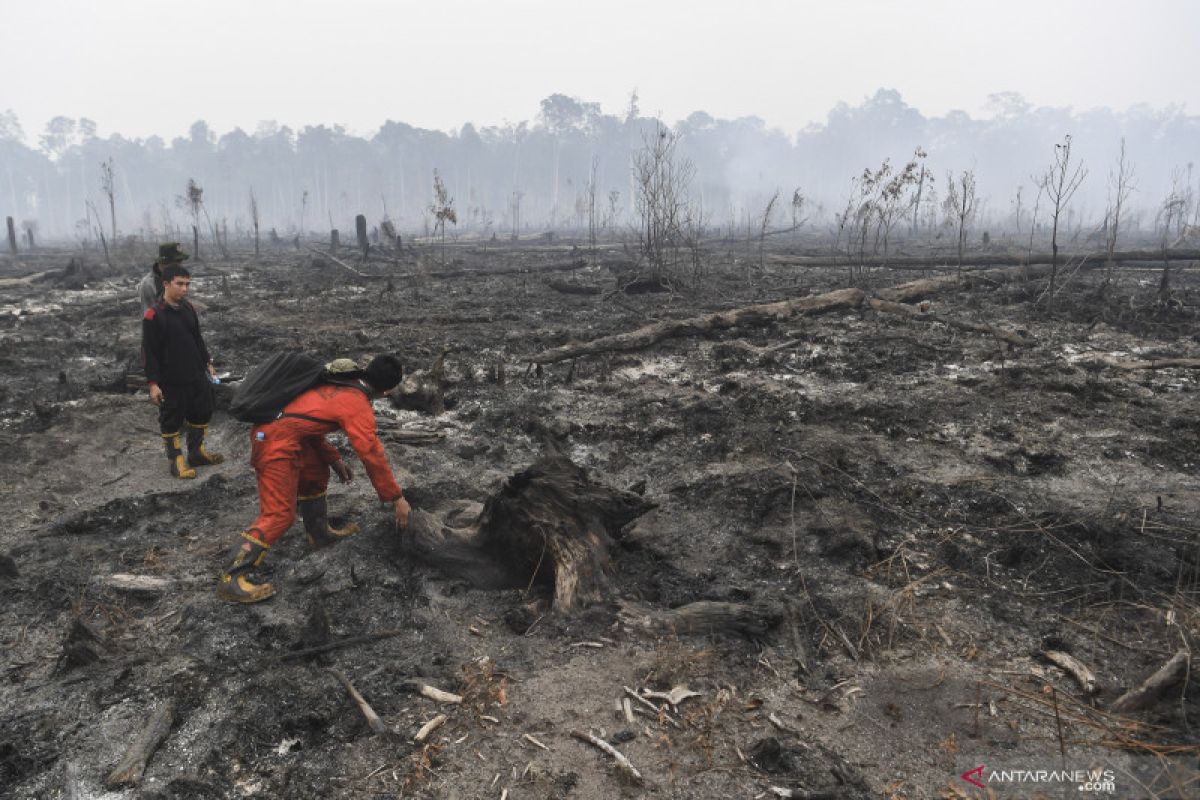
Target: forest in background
{"type": "Point", "coordinates": [574, 167]}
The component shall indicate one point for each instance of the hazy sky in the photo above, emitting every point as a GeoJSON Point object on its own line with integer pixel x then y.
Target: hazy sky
{"type": "Point", "coordinates": [140, 67]}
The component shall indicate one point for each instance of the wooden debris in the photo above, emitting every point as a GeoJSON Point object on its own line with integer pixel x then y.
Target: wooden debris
{"type": "Point", "coordinates": [129, 771]}
{"type": "Point", "coordinates": [373, 721]}
{"type": "Point", "coordinates": [430, 727]}
{"type": "Point", "coordinates": [621, 760]}
{"type": "Point", "coordinates": [676, 696]}
{"type": "Point", "coordinates": [694, 326]}
{"type": "Point", "coordinates": [1154, 363]}
{"type": "Point", "coordinates": [915, 290]}
{"type": "Point", "coordinates": [627, 710]}
{"type": "Point", "coordinates": [1075, 668]}
{"type": "Point", "coordinates": [534, 741]}
{"type": "Point", "coordinates": [140, 585]}
{"type": "Point", "coordinates": [1144, 695]}
{"type": "Point", "coordinates": [703, 617]}
{"type": "Point", "coordinates": [657, 712]}
{"type": "Point", "coordinates": [917, 312]}
{"type": "Point", "coordinates": [976, 259]}
{"type": "Point", "coordinates": [340, 263]}
{"type": "Point", "coordinates": [431, 692]}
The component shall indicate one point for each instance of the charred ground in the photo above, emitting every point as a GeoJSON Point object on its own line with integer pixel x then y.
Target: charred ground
{"type": "Point", "coordinates": [911, 514]}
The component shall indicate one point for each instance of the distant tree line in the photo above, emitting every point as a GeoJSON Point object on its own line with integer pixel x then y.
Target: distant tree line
{"type": "Point", "coordinates": [575, 168]}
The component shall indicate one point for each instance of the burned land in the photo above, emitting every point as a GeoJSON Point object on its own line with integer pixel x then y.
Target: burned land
{"type": "Point", "coordinates": [843, 540]}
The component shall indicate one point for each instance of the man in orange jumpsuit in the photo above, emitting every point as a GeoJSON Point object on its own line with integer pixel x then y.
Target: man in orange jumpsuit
{"type": "Point", "coordinates": [292, 460]}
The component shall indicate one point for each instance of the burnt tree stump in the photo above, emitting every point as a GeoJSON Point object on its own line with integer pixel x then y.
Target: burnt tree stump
{"type": "Point", "coordinates": [549, 525]}
{"type": "Point", "coordinates": [334, 241]}
{"type": "Point", "coordinates": [360, 229]}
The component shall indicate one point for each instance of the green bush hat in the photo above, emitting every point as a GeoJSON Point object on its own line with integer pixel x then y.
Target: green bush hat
{"type": "Point", "coordinates": [170, 253]}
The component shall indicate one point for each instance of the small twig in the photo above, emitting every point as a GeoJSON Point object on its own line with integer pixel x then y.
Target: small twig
{"type": "Point", "coordinates": [1077, 670]}
{"type": "Point", "coordinates": [658, 712]}
{"type": "Point", "coordinates": [433, 693]}
{"type": "Point", "coordinates": [430, 727]}
{"type": "Point", "coordinates": [534, 741]}
{"type": "Point", "coordinates": [373, 721]}
{"type": "Point", "coordinates": [621, 760]}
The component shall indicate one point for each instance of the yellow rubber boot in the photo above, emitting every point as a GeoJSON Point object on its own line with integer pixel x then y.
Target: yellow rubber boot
{"type": "Point", "coordinates": [198, 455]}
{"type": "Point", "coordinates": [179, 465]}
{"type": "Point", "coordinates": [315, 513]}
{"type": "Point", "coordinates": [234, 586]}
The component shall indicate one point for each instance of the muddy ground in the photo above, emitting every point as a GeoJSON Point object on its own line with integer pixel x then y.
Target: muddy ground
{"type": "Point", "coordinates": [915, 513]}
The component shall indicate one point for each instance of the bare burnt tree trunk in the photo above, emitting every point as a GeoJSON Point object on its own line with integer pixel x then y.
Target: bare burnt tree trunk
{"type": "Point", "coordinates": [12, 237]}
{"type": "Point", "coordinates": [334, 241]}
{"type": "Point", "coordinates": [254, 220]}
{"type": "Point", "coordinates": [1059, 183]}
{"type": "Point", "coordinates": [196, 240]}
{"type": "Point", "coordinates": [1121, 184]}
{"type": "Point", "coordinates": [360, 228]}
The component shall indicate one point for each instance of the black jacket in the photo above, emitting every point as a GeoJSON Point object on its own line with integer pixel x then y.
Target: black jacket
{"type": "Point", "coordinates": [173, 350]}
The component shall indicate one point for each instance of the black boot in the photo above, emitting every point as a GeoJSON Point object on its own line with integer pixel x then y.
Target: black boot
{"type": "Point", "coordinates": [315, 513]}
{"type": "Point", "coordinates": [179, 465]}
{"type": "Point", "coordinates": [233, 585]}
{"type": "Point", "coordinates": [198, 456]}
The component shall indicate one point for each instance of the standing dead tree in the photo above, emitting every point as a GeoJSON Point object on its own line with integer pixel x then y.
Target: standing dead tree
{"type": "Point", "coordinates": [254, 219]}
{"type": "Point", "coordinates": [590, 194]}
{"type": "Point", "coordinates": [193, 201]}
{"type": "Point", "coordinates": [923, 177]}
{"type": "Point", "coordinates": [960, 206]}
{"type": "Point", "coordinates": [1171, 213]}
{"type": "Point", "coordinates": [896, 196]}
{"type": "Point", "coordinates": [661, 181]}
{"type": "Point", "coordinates": [442, 210]}
{"type": "Point", "coordinates": [109, 189]}
{"type": "Point", "coordinates": [100, 232]}
{"type": "Point", "coordinates": [798, 218]}
{"type": "Point", "coordinates": [762, 229]}
{"type": "Point", "coordinates": [1120, 185]}
{"type": "Point", "coordinates": [1059, 183]}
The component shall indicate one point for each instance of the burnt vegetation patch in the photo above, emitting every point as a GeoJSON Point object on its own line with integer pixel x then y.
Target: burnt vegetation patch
{"type": "Point", "coordinates": [760, 533]}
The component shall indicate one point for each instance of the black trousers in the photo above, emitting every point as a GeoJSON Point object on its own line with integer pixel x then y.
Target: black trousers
{"type": "Point", "coordinates": [185, 402]}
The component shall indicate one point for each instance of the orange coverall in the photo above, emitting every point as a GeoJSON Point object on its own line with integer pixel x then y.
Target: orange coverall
{"type": "Point", "coordinates": [292, 458]}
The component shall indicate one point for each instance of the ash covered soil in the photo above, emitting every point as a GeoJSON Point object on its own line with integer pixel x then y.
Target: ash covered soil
{"type": "Point", "coordinates": [910, 514]}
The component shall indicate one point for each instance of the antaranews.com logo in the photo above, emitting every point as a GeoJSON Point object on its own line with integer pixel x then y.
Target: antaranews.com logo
{"type": "Point", "coordinates": [1094, 781]}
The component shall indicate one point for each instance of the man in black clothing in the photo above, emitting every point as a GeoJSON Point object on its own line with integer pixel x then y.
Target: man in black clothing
{"type": "Point", "coordinates": [179, 372]}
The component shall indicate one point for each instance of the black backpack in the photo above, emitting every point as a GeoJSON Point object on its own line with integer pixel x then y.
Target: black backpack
{"type": "Point", "coordinates": [272, 384]}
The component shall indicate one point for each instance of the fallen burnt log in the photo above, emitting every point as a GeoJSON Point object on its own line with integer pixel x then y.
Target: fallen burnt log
{"type": "Point", "coordinates": [915, 290]}
{"type": "Point", "coordinates": [703, 618]}
{"type": "Point", "coordinates": [549, 525]}
{"type": "Point", "coordinates": [981, 260]}
{"type": "Point", "coordinates": [695, 326]}
{"type": "Point", "coordinates": [1147, 693]}
{"type": "Point", "coordinates": [129, 771]}
{"type": "Point", "coordinates": [914, 312]}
